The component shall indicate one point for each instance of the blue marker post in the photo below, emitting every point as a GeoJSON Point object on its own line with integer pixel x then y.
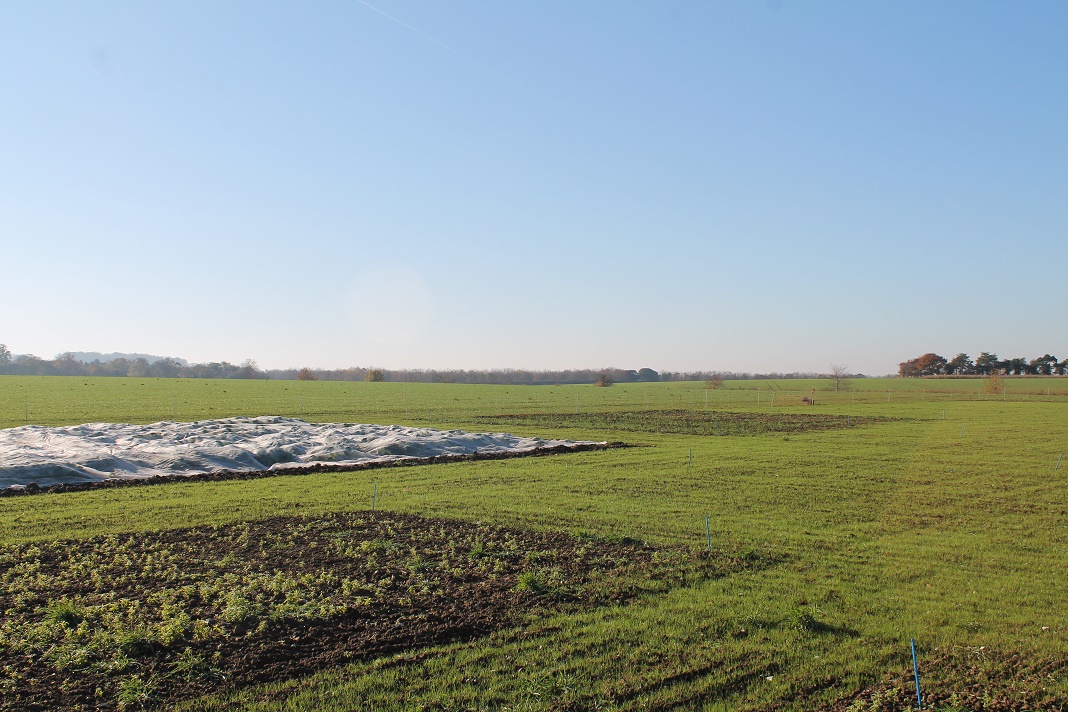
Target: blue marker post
{"type": "Point", "coordinates": [708, 534]}
{"type": "Point", "coordinates": [916, 674]}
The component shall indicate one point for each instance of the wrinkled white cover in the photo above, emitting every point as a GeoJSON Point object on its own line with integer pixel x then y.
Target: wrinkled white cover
{"type": "Point", "coordinates": [99, 451]}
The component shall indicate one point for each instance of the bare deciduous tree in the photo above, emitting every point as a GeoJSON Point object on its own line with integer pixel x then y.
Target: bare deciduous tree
{"type": "Point", "coordinates": [840, 376]}
{"type": "Point", "coordinates": [714, 381]}
{"type": "Point", "coordinates": [249, 369]}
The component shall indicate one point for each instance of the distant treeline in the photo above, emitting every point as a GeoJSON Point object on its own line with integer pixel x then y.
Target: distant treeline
{"type": "Point", "coordinates": [66, 364]}
{"type": "Point", "coordinates": [986, 364]}
{"type": "Point", "coordinates": [516, 376]}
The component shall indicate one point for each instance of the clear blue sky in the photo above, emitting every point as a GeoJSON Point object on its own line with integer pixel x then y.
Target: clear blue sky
{"type": "Point", "coordinates": [745, 186]}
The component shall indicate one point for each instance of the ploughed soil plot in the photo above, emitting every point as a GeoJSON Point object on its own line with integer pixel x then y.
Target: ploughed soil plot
{"type": "Point", "coordinates": [689, 422]}
{"type": "Point", "coordinates": [965, 678]}
{"type": "Point", "coordinates": [142, 619]}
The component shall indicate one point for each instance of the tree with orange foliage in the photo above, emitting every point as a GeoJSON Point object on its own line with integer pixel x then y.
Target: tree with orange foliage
{"type": "Point", "coordinates": [927, 365]}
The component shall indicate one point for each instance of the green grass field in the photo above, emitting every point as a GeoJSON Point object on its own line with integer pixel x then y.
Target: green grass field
{"type": "Point", "coordinates": [926, 509]}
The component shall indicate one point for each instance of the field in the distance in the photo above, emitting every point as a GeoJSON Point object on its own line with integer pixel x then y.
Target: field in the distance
{"type": "Point", "coordinates": [898, 509]}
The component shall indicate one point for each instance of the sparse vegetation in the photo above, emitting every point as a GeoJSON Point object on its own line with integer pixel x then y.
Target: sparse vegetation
{"type": "Point", "coordinates": [160, 604]}
{"type": "Point", "coordinates": [134, 693]}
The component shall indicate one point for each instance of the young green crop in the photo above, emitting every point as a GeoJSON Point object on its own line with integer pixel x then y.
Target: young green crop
{"type": "Point", "coordinates": [940, 517]}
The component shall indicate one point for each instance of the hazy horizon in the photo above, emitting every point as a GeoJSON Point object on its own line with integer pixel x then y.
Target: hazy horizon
{"type": "Point", "coordinates": [89, 356]}
{"type": "Point", "coordinates": [683, 186]}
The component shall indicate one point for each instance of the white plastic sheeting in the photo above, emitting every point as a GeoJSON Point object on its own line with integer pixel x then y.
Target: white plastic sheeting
{"type": "Point", "coordinates": [99, 451]}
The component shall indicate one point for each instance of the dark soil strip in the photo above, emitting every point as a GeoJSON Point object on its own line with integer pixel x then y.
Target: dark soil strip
{"type": "Point", "coordinates": [966, 679]}
{"type": "Point", "coordinates": [221, 475]}
{"type": "Point", "coordinates": [149, 619]}
{"type": "Point", "coordinates": [690, 422]}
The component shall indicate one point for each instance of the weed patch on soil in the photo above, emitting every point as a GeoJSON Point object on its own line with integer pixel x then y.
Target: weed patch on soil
{"type": "Point", "coordinates": [966, 678]}
{"type": "Point", "coordinates": [139, 620]}
{"type": "Point", "coordinates": [688, 422]}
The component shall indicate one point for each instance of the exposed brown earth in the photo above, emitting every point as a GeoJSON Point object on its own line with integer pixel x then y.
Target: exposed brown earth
{"type": "Point", "coordinates": [965, 678]}
{"type": "Point", "coordinates": [154, 618]}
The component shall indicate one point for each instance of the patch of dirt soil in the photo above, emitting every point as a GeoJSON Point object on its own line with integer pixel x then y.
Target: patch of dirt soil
{"type": "Point", "coordinates": [146, 619]}
{"type": "Point", "coordinates": [966, 679]}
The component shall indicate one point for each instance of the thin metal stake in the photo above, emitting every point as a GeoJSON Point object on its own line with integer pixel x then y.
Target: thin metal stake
{"type": "Point", "coordinates": [708, 534]}
{"type": "Point", "coordinates": [916, 674]}
{"type": "Point", "coordinates": [961, 431]}
{"type": "Point", "coordinates": [374, 497]}
{"type": "Point", "coordinates": [1059, 462]}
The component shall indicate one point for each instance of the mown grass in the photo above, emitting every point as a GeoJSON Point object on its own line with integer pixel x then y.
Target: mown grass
{"type": "Point", "coordinates": [945, 519]}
